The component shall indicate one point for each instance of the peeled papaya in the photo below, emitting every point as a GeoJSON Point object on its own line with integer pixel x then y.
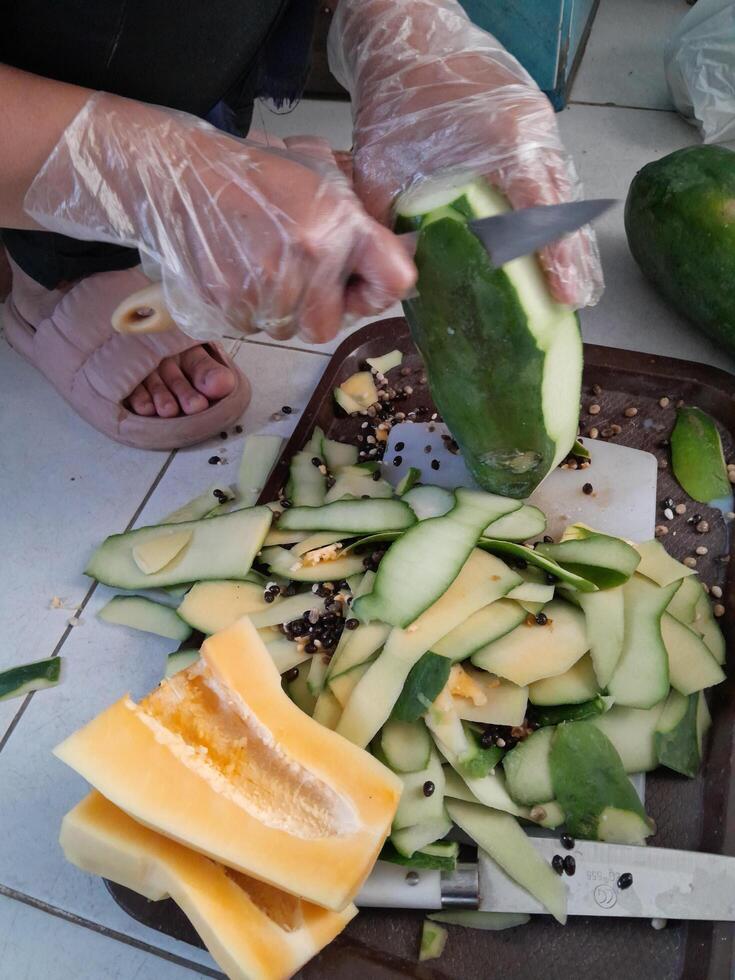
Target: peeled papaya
{"type": "Point", "coordinates": [504, 361]}
{"type": "Point", "coordinates": [221, 760]}
{"type": "Point", "coordinates": [253, 931]}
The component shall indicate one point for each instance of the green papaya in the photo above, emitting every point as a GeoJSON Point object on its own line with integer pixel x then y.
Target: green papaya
{"type": "Point", "coordinates": [504, 361]}
{"type": "Point", "coordinates": [680, 223]}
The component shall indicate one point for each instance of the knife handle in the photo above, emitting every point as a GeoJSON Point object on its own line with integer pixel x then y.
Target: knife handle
{"type": "Point", "coordinates": [144, 311]}
{"type": "Point", "coordinates": [393, 886]}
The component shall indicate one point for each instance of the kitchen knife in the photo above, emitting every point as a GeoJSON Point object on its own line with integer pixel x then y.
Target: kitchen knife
{"type": "Point", "coordinates": [505, 236]}
{"type": "Point", "coordinates": [667, 884]}
{"type": "Point", "coordinates": [512, 234]}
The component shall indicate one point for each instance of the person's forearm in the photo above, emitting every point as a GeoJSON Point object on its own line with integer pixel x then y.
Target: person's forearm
{"type": "Point", "coordinates": [34, 112]}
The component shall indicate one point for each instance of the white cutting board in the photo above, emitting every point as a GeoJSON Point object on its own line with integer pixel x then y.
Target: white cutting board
{"type": "Point", "coordinates": [623, 501]}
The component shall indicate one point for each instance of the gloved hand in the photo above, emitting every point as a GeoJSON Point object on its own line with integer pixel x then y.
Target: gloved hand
{"type": "Point", "coordinates": [431, 92]}
{"type": "Point", "coordinates": [244, 237]}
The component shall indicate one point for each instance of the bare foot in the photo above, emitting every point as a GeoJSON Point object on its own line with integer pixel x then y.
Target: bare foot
{"type": "Point", "coordinates": [187, 383]}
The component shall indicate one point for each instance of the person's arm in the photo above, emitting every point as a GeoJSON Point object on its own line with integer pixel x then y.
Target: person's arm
{"type": "Point", "coordinates": [433, 92]}
{"type": "Point", "coordinates": [243, 237]}
{"type": "Point", "coordinates": [34, 112]}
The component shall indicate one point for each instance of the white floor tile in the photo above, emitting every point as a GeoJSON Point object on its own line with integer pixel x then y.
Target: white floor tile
{"type": "Point", "coordinates": [609, 146]}
{"type": "Point", "coordinates": [34, 944]}
{"type": "Point", "coordinates": [280, 376]}
{"type": "Point", "coordinates": [63, 486]}
{"type": "Point", "coordinates": [623, 63]}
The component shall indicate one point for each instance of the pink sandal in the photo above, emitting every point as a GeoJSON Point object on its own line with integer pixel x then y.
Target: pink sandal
{"type": "Point", "coordinates": [67, 336]}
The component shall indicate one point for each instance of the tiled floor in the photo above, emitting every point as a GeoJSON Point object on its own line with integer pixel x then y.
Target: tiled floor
{"type": "Point", "coordinates": [64, 488]}
{"type": "Point", "coordinates": [623, 63]}
{"type": "Point", "coordinates": [79, 951]}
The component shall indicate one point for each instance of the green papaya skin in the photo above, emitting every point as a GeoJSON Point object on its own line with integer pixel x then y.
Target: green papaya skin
{"type": "Point", "coordinates": [478, 372]}
{"type": "Point", "coordinates": [697, 460]}
{"type": "Point", "coordinates": [680, 748]}
{"type": "Point", "coordinates": [589, 778]}
{"type": "Point", "coordinates": [680, 223]}
{"type": "Point", "coordinates": [419, 859]}
{"type": "Point", "coordinates": [555, 714]}
{"type": "Point", "coordinates": [503, 358]}
{"type": "Point", "coordinates": [482, 760]}
{"type": "Point", "coordinates": [424, 682]}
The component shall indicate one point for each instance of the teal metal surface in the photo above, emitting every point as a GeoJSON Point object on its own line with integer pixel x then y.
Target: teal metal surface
{"type": "Point", "coordinates": [547, 36]}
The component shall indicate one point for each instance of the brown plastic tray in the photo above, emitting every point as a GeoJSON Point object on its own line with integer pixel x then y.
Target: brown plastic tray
{"type": "Point", "coordinates": [691, 814]}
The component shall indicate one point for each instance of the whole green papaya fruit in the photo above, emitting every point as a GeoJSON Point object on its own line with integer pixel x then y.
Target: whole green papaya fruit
{"type": "Point", "coordinates": [680, 223]}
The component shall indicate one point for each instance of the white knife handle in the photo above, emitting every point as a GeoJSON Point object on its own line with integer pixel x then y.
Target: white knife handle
{"type": "Point", "coordinates": [143, 312]}
{"type": "Point", "coordinates": [393, 886]}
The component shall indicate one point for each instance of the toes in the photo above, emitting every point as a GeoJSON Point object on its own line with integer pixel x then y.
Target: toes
{"type": "Point", "coordinates": [184, 386]}
{"type": "Point", "coordinates": [207, 375]}
{"type": "Point", "coordinates": [190, 400]}
{"type": "Point", "coordinates": [166, 405]}
{"type": "Point", "coordinates": [141, 402]}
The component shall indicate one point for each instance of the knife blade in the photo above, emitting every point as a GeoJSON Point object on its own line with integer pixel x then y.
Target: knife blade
{"type": "Point", "coordinates": [667, 884]}
{"type": "Point", "coordinates": [512, 234]}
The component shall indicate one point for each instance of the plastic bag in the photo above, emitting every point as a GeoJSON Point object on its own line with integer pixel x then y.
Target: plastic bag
{"type": "Point", "coordinates": [699, 60]}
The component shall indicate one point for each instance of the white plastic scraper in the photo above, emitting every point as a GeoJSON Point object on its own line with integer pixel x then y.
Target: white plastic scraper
{"type": "Point", "coordinates": [622, 502]}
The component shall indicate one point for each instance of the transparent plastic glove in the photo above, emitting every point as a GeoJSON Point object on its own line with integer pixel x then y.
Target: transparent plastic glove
{"type": "Point", "coordinates": [433, 93]}
{"type": "Point", "coordinates": [244, 237]}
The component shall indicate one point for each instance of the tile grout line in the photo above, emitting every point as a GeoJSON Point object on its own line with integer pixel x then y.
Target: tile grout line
{"type": "Point", "coordinates": [149, 493]}
{"type": "Point", "coordinates": [14, 722]}
{"type": "Point", "coordinates": [82, 605]}
{"type": "Point", "coordinates": [273, 343]}
{"type": "Point", "coordinates": [620, 105]}
{"type": "Point", "coordinates": [108, 933]}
